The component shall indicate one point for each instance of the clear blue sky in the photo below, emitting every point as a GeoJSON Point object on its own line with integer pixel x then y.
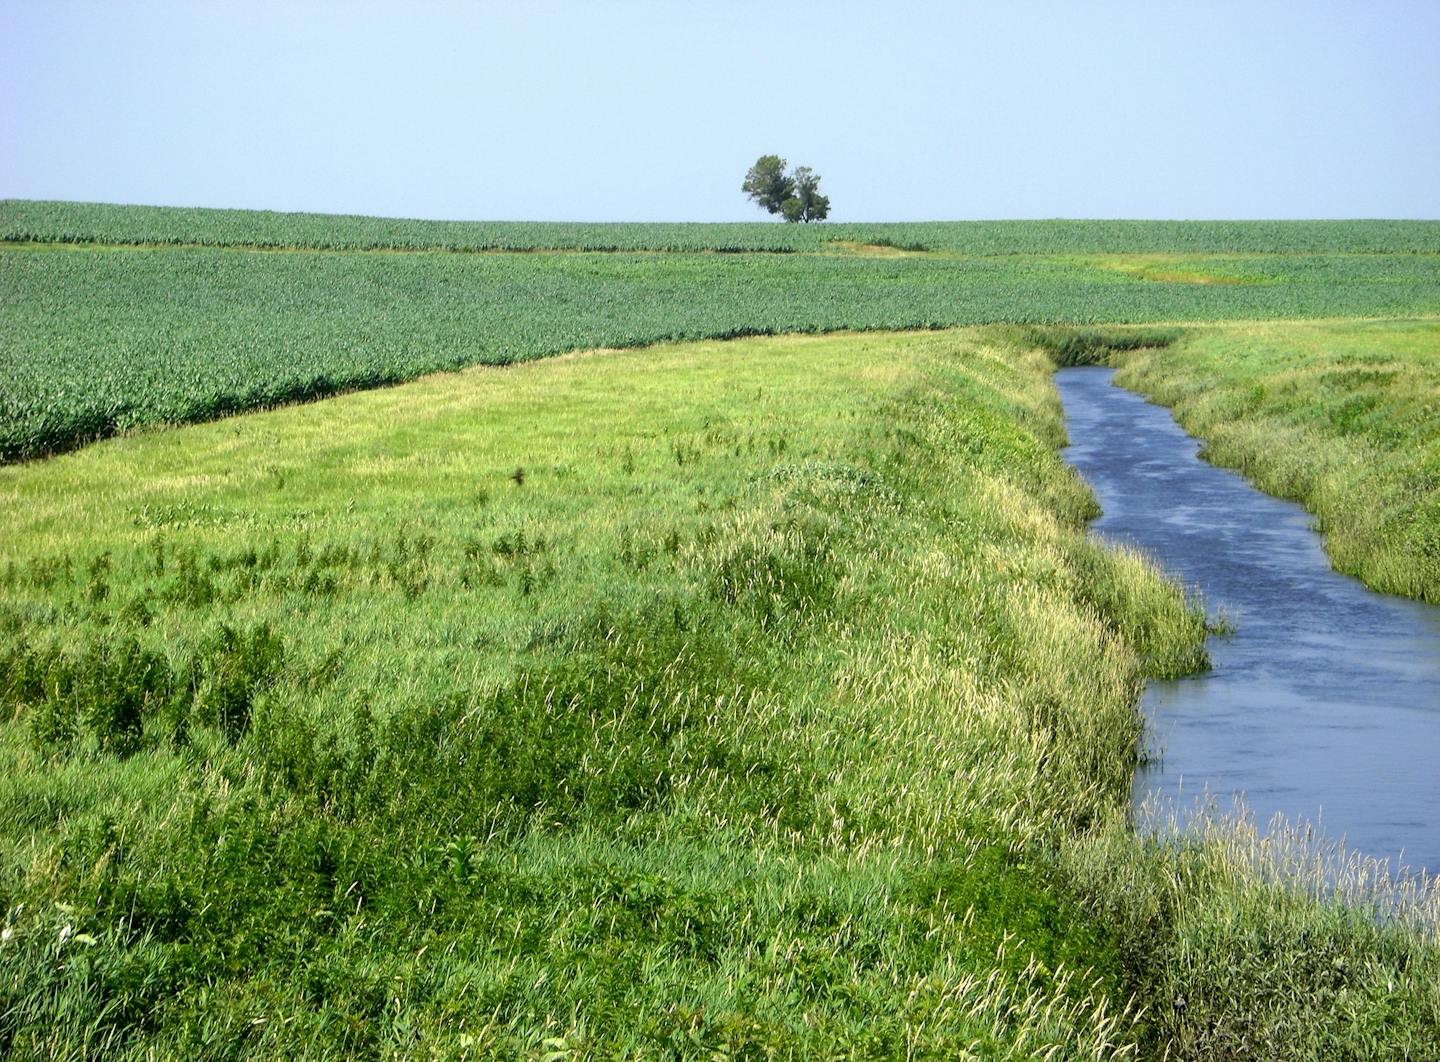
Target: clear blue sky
{"type": "Point", "coordinates": [653, 111]}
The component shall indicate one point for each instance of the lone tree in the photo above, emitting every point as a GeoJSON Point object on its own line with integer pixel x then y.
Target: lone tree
{"type": "Point", "coordinates": [795, 196]}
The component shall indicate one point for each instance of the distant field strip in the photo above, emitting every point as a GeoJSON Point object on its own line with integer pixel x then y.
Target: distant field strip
{"type": "Point", "coordinates": [95, 342]}
{"type": "Point", "coordinates": [25, 220]}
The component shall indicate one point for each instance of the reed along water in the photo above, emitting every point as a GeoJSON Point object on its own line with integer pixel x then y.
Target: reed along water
{"type": "Point", "coordinates": [1324, 703]}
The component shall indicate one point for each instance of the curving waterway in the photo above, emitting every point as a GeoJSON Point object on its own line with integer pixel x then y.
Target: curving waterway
{"type": "Point", "coordinates": [1324, 704]}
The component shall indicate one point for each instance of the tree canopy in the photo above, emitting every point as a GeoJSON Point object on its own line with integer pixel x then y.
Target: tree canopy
{"type": "Point", "coordinates": [795, 196]}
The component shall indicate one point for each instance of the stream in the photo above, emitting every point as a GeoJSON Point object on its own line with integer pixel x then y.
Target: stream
{"type": "Point", "coordinates": [1324, 703]}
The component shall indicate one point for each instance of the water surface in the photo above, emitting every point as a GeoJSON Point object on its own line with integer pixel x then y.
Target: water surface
{"type": "Point", "coordinates": [1324, 704]}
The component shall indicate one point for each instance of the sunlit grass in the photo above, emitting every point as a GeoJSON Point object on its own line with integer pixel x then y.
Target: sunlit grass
{"type": "Point", "coordinates": [591, 716]}
{"type": "Point", "coordinates": [746, 699]}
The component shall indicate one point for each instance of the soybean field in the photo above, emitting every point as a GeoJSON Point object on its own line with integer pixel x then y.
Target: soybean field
{"type": "Point", "coordinates": [115, 318]}
{"type": "Point", "coordinates": [61, 222]}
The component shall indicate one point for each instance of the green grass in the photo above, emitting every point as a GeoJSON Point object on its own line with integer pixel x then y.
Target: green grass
{"type": "Point", "coordinates": [115, 318]}
{"type": "Point", "coordinates": [1342, 416]}
{"type": "Point", "coordinates": [333, 735]}
{"type": "Point", "coordinates": [748, 699]}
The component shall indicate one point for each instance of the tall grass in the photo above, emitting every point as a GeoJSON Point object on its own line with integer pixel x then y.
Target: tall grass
{"type": "Point", "coordinates": [1069, 347]}
{"type": "Point", "coordinates": [1267, 944]}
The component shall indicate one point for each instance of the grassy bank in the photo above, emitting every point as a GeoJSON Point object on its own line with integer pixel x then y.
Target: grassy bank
{"type": "Point", "coordinates": [100, 340]}
{"type": "Point", "coordinates": [574, 707]}
{"type": "Point", "coordinates": [757, 699]}
{"type": "Point", "coordinates": [1342, 416]}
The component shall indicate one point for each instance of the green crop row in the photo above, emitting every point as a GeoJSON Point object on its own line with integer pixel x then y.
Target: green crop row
{"type": "Point", "coordinates": [60, 222]}
{"type": "Point", "coordinates": [96, 342]}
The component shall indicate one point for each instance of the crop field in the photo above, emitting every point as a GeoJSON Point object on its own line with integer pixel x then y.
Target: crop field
{"type": "Point", "coordinates": [716, 696]}
{"type": "Point", "coordinates": [96, 341]}
{"type": "Point", "coordinates": [52, 222]}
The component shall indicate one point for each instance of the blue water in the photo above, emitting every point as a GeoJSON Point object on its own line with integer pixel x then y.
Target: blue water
{"type": "Point", "coordinates": [1324, 704]}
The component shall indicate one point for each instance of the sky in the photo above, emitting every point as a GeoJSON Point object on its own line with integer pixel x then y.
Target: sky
{"type": "Point", "coordinates": [649, 111]}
